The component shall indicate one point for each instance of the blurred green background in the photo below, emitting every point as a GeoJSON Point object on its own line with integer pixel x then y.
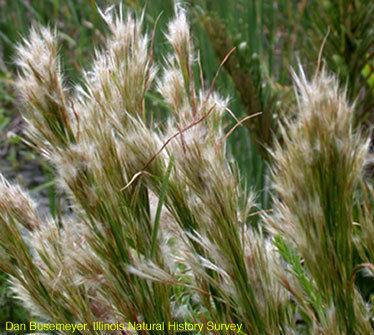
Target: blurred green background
{"type": "Point", "coordinates": [269, 38]}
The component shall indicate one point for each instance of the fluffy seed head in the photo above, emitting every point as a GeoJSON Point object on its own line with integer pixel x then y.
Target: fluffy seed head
{"type": "Point", "coordinates": [41, 89]}
{"type": "Point", "coordinates": [17, 204]}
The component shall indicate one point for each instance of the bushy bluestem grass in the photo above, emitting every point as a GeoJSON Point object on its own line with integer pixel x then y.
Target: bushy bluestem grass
{"type": "Point", "coordinates": [316, 173]}
{"type": "Point", "coordinates": [161, 226]}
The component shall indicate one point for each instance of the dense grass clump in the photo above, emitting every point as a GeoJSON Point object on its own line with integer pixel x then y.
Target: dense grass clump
{"type": "Point", "coordinates": [160, 227]}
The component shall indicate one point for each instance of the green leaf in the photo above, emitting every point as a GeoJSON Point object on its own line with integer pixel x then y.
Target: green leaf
{"type": "Point", "coordinates": [164, 188]}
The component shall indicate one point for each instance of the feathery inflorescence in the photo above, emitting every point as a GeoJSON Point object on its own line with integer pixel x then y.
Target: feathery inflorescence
{"type": "Point", "coordinates": [40, 85]}
{"type": "Point", "coordinates": [161, 225]}
{"type": "Point", "coordinates": [316, 174]}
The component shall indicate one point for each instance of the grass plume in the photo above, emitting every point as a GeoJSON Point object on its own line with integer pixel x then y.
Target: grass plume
{"type": "Point", "coordinates": [161, 227]}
